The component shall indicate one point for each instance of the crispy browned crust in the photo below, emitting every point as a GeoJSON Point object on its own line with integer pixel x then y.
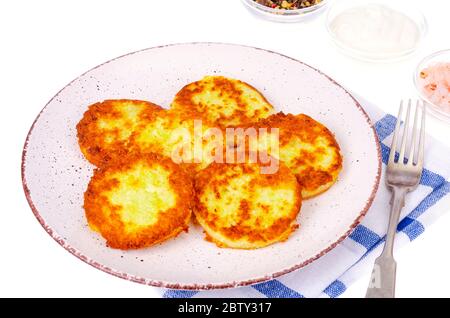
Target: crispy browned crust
{"type": "Point", "coordinates": [92, 139]}
{"type": "Point", "coordinates": [314, 180]}
{"type": "Point", "coordinates": [259, 236]}
{"type": "Point", "coordinates": [183, 103]}
{"type": "Point", "coordinates": [103, 216]}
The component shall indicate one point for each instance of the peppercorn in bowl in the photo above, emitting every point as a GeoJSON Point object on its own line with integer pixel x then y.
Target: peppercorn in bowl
{"type": "Point", "coordinates": [285, 10]}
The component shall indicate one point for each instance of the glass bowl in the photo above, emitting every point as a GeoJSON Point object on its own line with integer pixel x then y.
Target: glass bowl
{"type": "Point", "coordinates": [283, 15]}
{"type": "Point", "coordinates": [441, 56]}
{"type": "Point", "coordinates": [402, 6]}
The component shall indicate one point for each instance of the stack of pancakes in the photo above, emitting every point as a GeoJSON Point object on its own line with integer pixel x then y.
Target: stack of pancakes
{"type": "Point", "coordinates": [147, 181]}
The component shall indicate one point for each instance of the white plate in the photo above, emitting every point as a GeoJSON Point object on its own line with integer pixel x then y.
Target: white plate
{"type": "Point", "coordinates": [55, 174]}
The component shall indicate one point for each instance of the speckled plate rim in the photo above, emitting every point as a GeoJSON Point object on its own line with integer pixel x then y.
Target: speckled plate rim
{"type": "Point", "coordinates": [234, 284]}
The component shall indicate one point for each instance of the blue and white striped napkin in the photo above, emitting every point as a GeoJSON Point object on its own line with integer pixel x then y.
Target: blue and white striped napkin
{"type": "Point", "coordinates": [330, 275]}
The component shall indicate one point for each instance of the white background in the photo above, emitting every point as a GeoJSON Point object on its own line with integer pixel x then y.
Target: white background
{"type": "Point", "coordinates": [45, 44]}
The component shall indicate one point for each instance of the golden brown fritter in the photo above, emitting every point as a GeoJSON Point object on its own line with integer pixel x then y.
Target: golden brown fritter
{"type": "Point", "coordinates": [180, 137]}
{"type": "Point", "coordinates": [222, 101]}
{"type": "Point", "coordinates": [238, 207]}
{"type": "Point", "coordinates": [306, 146]}
{"type": "Point", "coordinates": [138, 201]}
{"type": "Point", "coordinates": [106, 127]}
{"type": "Point", "coordinates": [115, 127]}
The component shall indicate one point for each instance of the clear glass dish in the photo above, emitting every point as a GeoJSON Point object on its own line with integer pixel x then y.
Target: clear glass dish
{"type": "Point", "coordinates": [440, 56]}
{"type": "Point", "coordinates": [402, 6]}
{"type": "Point", "coordinates": [283, 15]}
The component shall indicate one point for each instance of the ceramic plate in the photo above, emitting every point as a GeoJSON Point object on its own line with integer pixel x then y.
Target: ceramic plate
{"type": "Point", "coordinates": [55, 174]}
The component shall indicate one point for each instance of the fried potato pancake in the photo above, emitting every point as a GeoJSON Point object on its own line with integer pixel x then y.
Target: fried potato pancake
{"type": "Point", "coordinates": [238, 207]}
{"type": "Point", "coordinates": [138, 201]}
{"type": "Point", "coordinates": [178, 136]}
{"type": "Point", "coordinates": [222, 101]}
{"type": "Point", "coordinates": [306, 146]}
{"type": "Point", "coordinates": [105, 129]}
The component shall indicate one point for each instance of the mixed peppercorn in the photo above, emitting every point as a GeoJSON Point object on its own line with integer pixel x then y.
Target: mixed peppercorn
{"type": "Point", "coordinates": [288, 4]}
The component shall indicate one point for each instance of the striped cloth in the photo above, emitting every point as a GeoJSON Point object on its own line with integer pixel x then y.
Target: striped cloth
{"type": "Point", "coordinates": [330, 275]}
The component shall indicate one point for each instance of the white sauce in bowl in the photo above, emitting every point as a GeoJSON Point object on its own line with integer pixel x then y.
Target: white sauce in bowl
{"type": "Point", "coordinates": [375, 30]}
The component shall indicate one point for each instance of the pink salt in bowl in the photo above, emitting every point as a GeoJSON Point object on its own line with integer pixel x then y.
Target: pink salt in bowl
{"type": "Point", "coordinates": [432, 81]}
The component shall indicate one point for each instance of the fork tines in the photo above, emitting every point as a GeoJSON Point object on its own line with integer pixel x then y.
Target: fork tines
{"type": "Point", "coordinates": [415, 157]}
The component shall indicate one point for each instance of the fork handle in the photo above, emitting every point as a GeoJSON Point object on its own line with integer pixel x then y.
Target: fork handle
{"type": "Point", "coordinates": [382, 282]}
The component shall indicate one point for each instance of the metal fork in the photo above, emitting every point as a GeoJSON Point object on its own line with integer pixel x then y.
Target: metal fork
{"type": "Point", "coordinates": [401, 177]}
